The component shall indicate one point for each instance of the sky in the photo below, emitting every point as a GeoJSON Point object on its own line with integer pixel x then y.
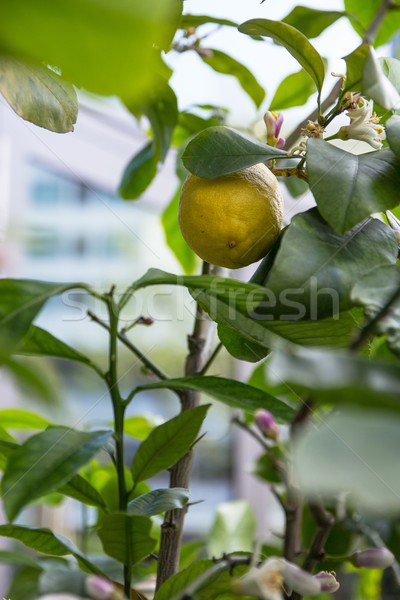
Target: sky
{"type": "Point", "coordinates": [195, 82]}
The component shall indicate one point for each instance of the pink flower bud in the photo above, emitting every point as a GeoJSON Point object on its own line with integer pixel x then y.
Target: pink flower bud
{"type": "Point", "coordinates": [328, 582]}
{"type": "Point", "coordinates": [373, 558]}
{"type": "Point", "coordinates": [300, 581]}
{"type": "Point", "coordinates": [99, 588]}
{"type": "Point", "coordinates": [267, 424]}
{"type": "Point", "coordinates": [273, 122]}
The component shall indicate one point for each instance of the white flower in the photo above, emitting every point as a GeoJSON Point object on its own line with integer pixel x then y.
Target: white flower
{"type": "Point", "coordinates": [273, 577]}
{"type": "Point", "coordinates": [364, 125]}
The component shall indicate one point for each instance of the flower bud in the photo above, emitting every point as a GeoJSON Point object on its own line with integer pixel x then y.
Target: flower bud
{"type": "Point", "coordinates": [273, 122]}
{"type": "Point", "coordinates": [266, 423]}
{"type": "Point", "coordinates": [99, 588]}
{"type": "Point", "coordinates": [300, 581]}
{"type": "Point", "coordinates": [373, 558]}
{"type": "Point", "coordinates": [327, 581]}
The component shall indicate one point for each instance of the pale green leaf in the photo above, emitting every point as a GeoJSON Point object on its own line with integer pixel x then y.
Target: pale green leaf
{"type": "Point", "coordinates": [18, 418]}
{"type": "Point", "coordinates": [139, 427]}
{"type": "Point", "coordinates": [80, 489]}
{"type": "Point", "coordinates": [45, 462]}
{"type": "Point", "coordinates": [310, 21]}
{"type": "Point", "coordinates": [393, 134]}
{"type": "Point", "coordinates": [158, 501]}
{"type": "Point", "coordinates": [294, 90]}
{"type": "Point", "coordinates": [233, 529]}
{"type": "Point", "coordinates": [38, 95]}
{"type": "Point", "coordinates": [364, 13]}
{"type": "Point", "coordinates": [174, 238]}
{"type": "Point", "coordinates": [377, 86]}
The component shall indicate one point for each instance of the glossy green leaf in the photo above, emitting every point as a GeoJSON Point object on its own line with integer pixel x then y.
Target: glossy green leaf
{"type": "Point", "coordinates": [393, 134]}
{"type": "Point", "coordinates": [310, 21]}
{"type": "Point", "coordinates": [232, 393]}
{"type": "Point", "coordinates": [45, 462]}
{"type": "Point", "coordinates": [80, 489]}
{"type": "Point", "coordinates": [315, 281]}
{"type": "Point", "coordinates": [294, 90]}
{"type": "Point", "coordinates": [356, 454]}
{"type": "Point", "coordinates": [139, 427]}
{"type": "Point", "coordinates": [338, 377]}
{"type": "Point", "coordinates": [218, 151]}
{"type": "Point", "coordinates": [376, 85]}
{"type": "Point", "coordinates": [374, 291]}
{"type": "Point", "coordinates": [233, 529]}
{"type": "Point", "coordinates": [238, 346]}
{"type": "Point", "coordinates": [38, 95]}
{"type": "Point", "coordinates": [167, 443]}
{"type": "Point", "coordinates": [173, 236]}
{"type": "Point", "coordinates": [126, 538]}
{"type": "Point", "coordinates": [107, 48]}
{"type": "Point", "coordinates": [39, 342]}
{"type": "Point", "coordinates": [294, 41]}
{"type": "Point", "coordinates": [138, 173]}
{"type": "Point", "coordinates": [46, 541]}
{"type": "Point", "coordinates": [18, 418]}
{"type": "Point", "coordinates": [219, 296]}
{"type": "Point", "coordinates": [364, 12]}
{"type": "Point", "coordinates": [349, 187]}
{"type": "Point", "coordinates": [158, 501]}
{"type": "Point", "coordinates": [223, 63]}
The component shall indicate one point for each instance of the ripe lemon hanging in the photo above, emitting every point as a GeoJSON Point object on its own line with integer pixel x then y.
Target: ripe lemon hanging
{"type": "Point", "coordinates": [231, 221]}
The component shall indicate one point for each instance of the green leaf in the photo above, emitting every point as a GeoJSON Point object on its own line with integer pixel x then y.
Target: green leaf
{"type": "Point", "coordinates": [139, 427]}
{"type": "Point", "coordinates": [376, 85]}
{"type": "Point", "coordinates": [139, 173]}
{"type": "Point", "coordinates": [26, 585]}
{"type": "Point", "coordinates": [38, 95]}
{"type": "Point", "coordinates": [80, 489]}
{"type": "Point", "coordinates": [393, 134]}
{"type": "Point", "coordinates": [158, 501]}
{"type": "Point", "coordinates": [218, 151]}
{"type": "Point", "coordinates": [349, 187]}
{"type": "Point", "coordinates": [46, 541]}
{"type": "Point", "coordinates": [161, 109]}
{"type": "Point", "coordinates": [294, 41]}
{"type": "Point", "coordinates": [126, 538]}
{"type": "Point", "coordinates": [30, 378]}
{"type": "Point", "coordinates": [364, 12]}
{"type": "Point", "coordinates": [344, 378]}
{"type": "Point", "coordinates": [237, 304]}
{"type": "Point", "coordinates": [223, 63]}
{"type": "Point", "coordinates": [18, 418]}
{"type": "Point", "coordinates": [391, 69]}
{"type": "Point", "coordinates": [315, 281]}
{"type": "Point", "coordinates": [45, 462]}
{"type": "Point", "coordinates": [352, 452]}
{"type": "Point", "coordinates": [93, 44]}
{"type": "Point", "coordinates": [294, 90]}
{"type": "Point", "coordinates": [238, 346]}
{"type": "Point", "coordinates": [167, 443]}
{"type": "Point", "coordinates": [355, 62]}
{"type": "Point", "coordinates": [233, 529]}
{"type": "Point", "coordinates": [373, 291]}
{"type": "Point", "coordinates": [39, 342]}
{"type": "Point", "coordinates": [173, 236]}
{"type": "Point", "coordinates": [18, 559]}
{"type": "Point", "coordinates": [312, 22]}
{"type": "Point", "coordinates": [22, 299]}
{"type": "Point", "coordinates": [230, 392]}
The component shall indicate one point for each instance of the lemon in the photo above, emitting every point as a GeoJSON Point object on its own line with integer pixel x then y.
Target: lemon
{"type": "Point", "coordinates": [231, 221]}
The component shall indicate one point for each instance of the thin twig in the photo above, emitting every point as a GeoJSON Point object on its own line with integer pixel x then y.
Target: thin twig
{"type": "Point", "coordinates": [325, 521]}
{"type": "Point", "coordinates": [372, 30]}
{"type": "Point", "coordinates": [210, 361]}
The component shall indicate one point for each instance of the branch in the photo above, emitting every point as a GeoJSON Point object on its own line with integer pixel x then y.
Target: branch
{"type": "Point", "coordinates": [372, 30]}
{"type": "Point", "coordinates": [325, 521]}
{"type": "Point", "coordinates": [313, 116]}
{"type": "Point", "coordinates": [172, 527]}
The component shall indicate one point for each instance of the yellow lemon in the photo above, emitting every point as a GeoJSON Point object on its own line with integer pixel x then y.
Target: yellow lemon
{"type": "Point", "coordinates": [231, 221]}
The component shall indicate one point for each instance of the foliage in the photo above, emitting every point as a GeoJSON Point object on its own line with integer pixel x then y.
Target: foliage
{"type": "Point", "coordinates": [322, 308]}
